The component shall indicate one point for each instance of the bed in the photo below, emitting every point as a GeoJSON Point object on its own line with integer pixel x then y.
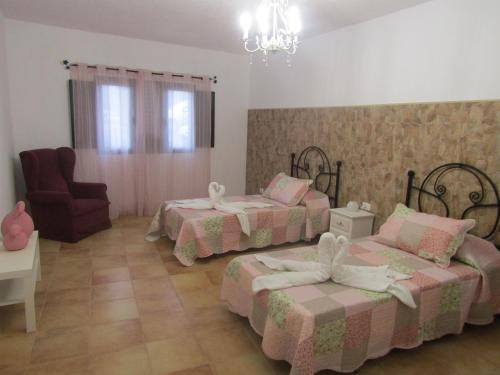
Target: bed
{"type": "Point", "coordinates": [202, 233]}
{"type": "Point", "coordinates": [335, 327]}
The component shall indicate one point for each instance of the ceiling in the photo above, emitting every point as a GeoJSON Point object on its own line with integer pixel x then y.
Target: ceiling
{"type": "Point", "coordinates": [211, 24]}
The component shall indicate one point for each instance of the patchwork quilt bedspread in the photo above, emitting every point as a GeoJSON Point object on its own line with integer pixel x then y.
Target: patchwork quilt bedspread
{"type": "Point", "coordinates": [331, 326]}
{"type": "Point", "coordinates": [201, 233]}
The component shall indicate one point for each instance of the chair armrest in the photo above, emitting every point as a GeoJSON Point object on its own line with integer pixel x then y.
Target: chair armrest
{"type": "Point", "coordinates": [50, 197]}
{"type": "Point", "coordinates": [89, 190]}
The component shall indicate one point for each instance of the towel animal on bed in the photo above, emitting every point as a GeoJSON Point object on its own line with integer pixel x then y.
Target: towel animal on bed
{"type": "Point", "coordinates": [216, 202]}
{"type": "Point", "coordinates": [332, 253]}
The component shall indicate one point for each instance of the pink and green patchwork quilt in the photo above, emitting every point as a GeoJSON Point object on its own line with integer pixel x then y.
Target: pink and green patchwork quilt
{"type": "Point", "coordinates": [331, 326]}
{"type": "Point", "coordinates": [201, 233]}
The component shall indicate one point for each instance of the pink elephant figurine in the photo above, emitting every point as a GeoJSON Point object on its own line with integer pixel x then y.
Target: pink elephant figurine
{"type": "Point", "coordinates": [15, 238]}
{"type": "Point", "coordinates": [16, 228]}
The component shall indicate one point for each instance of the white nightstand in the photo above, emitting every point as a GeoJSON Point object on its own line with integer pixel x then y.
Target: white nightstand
{"type": "Point", "coordinates": [19, 272]}
{"type": "Point", "coordinates": [352, 224]}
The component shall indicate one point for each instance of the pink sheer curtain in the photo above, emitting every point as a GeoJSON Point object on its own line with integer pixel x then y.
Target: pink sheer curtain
{"type": "Point", "coordinates": [147, 136]}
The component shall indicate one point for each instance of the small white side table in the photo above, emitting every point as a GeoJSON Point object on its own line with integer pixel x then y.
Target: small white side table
{"type": "Point", "coordinates": [19, 272]}
{"type": "Point", "coordinates": [351, 224]}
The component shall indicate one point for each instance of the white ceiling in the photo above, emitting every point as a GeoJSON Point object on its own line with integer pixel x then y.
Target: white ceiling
{"type": "Point", "coordinates": [211, 24]}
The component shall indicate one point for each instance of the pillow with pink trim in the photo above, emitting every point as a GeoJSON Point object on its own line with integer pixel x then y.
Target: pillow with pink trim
{"type": "Point", "coordinates": [287, 190]}
{"type": "Point", "coordinates": [429, 236]}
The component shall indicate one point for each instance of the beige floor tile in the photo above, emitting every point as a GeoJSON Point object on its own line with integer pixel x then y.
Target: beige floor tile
{"type": "Point", "coordinates": [115, 336]}
{"type": "Point", "coordinates": [187, 282]}
{"type": "Point", "coordinates": [68, 296]}
{"type": "Point", "coordinates": [112, 233]}
{"type": "Point", "coordinates": [144, 271]}
{"type": "Point", "coordinates": [175, 354]}
{"type": "Point", "coordinates": [104, 241]}
{"type": "Point", "coordinates": [169, 303]}
{"type": "Point", "coordinates": [161, 325]}
{"type": "Point", "coordinates": [200, 370]}
{"type": "Point", "coordinates": [73, 366]}
{"type": "Point", "coordinates": [49, 246]}
{"type": "Point", "coordinates": [112, 291]}
{"type": "Point", "coordinates": [247, 364]}
{"type": "Point", "coordinates": [110, 275]}
{"type": "Point", "coordinates": [154, 287]}
{"type": "Point", "coordinates": [107, 311]}
{"type": "Point", "coordinates": [199, 298]}
{"type": "Point", "coordinates": [60, 343]}
{"type": "Point", "coordinates": [71, 267]}
{"type": "Point", "coordinates": [483, 341]}
{"type": "Point", "coordinates": [15, 372]}
{"type": "Point", "coordinates": [214, 318]}
{"type": "Point", "coordinates": [143, 258]}
{"type": "Point", "coordinates": [233, 342]}
{"type": "Point", "coordinates": [108, 261]}
{"type": "Point", "coordinates": [134, 238]}
{"type": "Point", "coordinates": [47, 259]}
{"type": "Point", "coordinates": [131, 361]}
{"type": "Point", "coordinates": [70, 278]}
{"type": "Point", "coordinates": [15, 351]}
{"type": "Point", "coordinates": [65, 316]}
{"type": "Point", "coordinates": [139, 248]}
{"type": "Point", "coordinates": [451, 353]}
{"type": "Point", "coordinates": [166, 254]}
{"type": "Point", "coordinates": [174, 267]}
{"type": "Point", "coordinates": [71, 246]}
{"type": "Point", "coordinates": [215, 276]}
{"type": "Point", "coordinates": [111, 249]}
{"type": "Point", "coordinates": [73, 255]}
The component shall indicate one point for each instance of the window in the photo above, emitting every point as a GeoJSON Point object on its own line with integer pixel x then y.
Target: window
{"type": "Point", "coordinates": [179, 121]}
{"type": "Point", "coordinates": [115, 118]}
{"type": "Point", "coordinates": [104, 118]}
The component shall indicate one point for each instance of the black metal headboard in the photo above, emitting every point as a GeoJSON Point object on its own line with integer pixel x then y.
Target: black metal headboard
{"type": "Point", "coordinates": [433, 186]}
{"type": "Point", "coordinates": [325, 172]}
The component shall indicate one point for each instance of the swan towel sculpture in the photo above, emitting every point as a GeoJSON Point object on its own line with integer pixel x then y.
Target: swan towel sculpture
{"type": "Point", "coordinates": [216, 202]}
{"type": "Point", "coordinates": [332, 253]}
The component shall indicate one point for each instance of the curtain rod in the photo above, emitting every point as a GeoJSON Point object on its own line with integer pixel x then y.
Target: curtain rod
{"type": "Point", "coordinates": [67, 65]}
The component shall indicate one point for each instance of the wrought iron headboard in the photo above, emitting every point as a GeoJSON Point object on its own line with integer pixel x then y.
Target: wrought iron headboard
{"type": "Point", "coordinates": [302, 164]}
{"type": "Point", "coordinates": [438, 190]}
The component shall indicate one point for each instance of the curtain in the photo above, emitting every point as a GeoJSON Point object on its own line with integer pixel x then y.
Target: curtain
{"type": "Point", "coordinates": [145, 135]}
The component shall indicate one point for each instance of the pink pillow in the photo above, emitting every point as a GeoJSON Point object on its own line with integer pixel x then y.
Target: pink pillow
{"type": "Point", "coordinates": [429, 236]}
{"type": "Point", "coordinates": [287, 190]}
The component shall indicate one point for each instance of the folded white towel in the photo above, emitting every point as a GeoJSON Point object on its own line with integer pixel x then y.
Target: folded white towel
{"type": "Point", "coordinates": [216, 202]}
{"type": "Point", "coordinates": [332, 253]}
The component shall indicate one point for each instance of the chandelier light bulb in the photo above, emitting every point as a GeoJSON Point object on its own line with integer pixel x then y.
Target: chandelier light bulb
{"type": "Point", "coordinates": [294, 21]}
{"type": "Point", "coordinates": [245, 23]}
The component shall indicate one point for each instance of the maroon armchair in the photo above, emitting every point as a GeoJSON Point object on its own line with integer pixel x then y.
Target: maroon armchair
{"type": "Point", "coordinates": [62, 209]}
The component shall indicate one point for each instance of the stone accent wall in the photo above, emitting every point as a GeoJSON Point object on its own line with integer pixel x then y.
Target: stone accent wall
{"type": "Point", "coordinates": [378, 145]}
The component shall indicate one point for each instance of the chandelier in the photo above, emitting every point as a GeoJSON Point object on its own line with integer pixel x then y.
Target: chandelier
{"type": "Point", "coordinates": [278, 26]}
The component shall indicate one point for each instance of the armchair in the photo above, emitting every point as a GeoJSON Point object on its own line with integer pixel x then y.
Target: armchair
{"type": "Point", "coordinates": [62, 209]}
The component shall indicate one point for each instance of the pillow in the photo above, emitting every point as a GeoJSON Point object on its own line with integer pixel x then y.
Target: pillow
{"type": "Point", "coordinates": [478, 253]}
{"type": "Point", "coordinates": [429, 236]}
{"type": "Point", "coordinates": [287, 190]}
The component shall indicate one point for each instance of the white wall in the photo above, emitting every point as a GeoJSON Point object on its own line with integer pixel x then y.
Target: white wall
{"type": "Point", "coordinates": [6, 152]}
{"type": "Point", "coordinates": [442, 50]}
{"type": "Point", "coordinates": [39, 92]}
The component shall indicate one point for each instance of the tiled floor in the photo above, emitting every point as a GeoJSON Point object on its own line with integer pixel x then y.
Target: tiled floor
{"type": "Point", "coordinates": [115, 304]}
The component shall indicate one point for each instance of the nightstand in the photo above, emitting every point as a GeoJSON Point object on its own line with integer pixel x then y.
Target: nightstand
{"type": "Point", "coordinates": [352, 224]}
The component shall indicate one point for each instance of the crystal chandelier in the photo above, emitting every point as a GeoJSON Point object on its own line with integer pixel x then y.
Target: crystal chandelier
{"type": "Point", "coordinates": [278, 28]}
